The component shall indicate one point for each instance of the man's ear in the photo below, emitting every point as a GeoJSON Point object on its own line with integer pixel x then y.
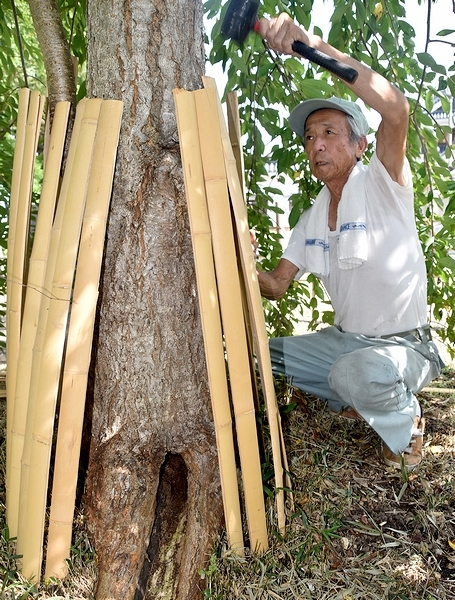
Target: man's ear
{"type": "Point", "coordinates": [362, 145]}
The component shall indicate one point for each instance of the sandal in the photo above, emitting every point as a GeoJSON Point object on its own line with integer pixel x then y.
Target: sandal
{"type": "Point", "coordinates": [411, 456]}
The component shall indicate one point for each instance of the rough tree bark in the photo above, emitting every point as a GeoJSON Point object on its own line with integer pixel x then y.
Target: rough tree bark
{"type": "Point", "coordinates": [153, 495]}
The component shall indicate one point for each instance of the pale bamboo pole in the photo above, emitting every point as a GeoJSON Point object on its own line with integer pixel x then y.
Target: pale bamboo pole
{"type": "Point", "coordinates": [41, 327]}
{"type": "Point", "coordinates": [232, 315]}
{"type": "Point", "coordinates": [249, 337]}
{"type": "Point", "coordinates": [235, 135]}
{"type": "Point", "coordinates": [33, 296]}
{"type": "Point", "coordinates": [15, 297]}
{"type": "Point", "coordinates": [21, 128]}
{"type": "Point", "coordinates": [42, 320]}
{"type": "Point", "coordinates": [234, 128]}
{"type": "Point", "coordinates": [54, 340]}
{"type": "Point", "coordinates": [259, 330]}
{"type": "Point", "coordinates": [24, 97]}
{"type": "Point", "coordinates": [42, 106]}
{"type": "Point", "coordinates": [34, 116]}
{"type": "Point", "coordinates": [80, 335]}
{"type": "Point", "coordinates": [260, 336]}
{"type": "Point", "coordinates": [47, 136]}
{"type": "Point", "coordinates": [210, 313]}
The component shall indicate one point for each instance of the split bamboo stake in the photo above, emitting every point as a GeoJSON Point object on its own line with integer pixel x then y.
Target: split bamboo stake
{"type": "Point", "coordinates": [258, 317]}
{"type": "Point", "coordinates": [232, 314]}
{"type": "Point", "coordinates": [248, 263]}
{"type": "Point", "coordinates": [236, 145]}
{"type": "Point", "coordinates": [21, 127]}
{"type": "Point", "coordinates": [33, 296]}
{"type": "Point", "coordinates": [437, 390]}
{"type": "Point", "coordinates": [22, 223]}
{"type": "Point", "coordinates": [54, 340]}
{"type": "Point", "coordinates": [249, 337]}
{"type": "Point", "coordinates": [235, 135]}
{"type": "Point", "coordinates": [260, 336]}
{"type": "Point", "coordinates": [15, 298]}
{"type": "Point", "coordinates": [24, 97]}
{"type": "Point", "coordinates": [41, 327]}
{"type": "Point", "coordinates": [80, 335]}
{"type": "Point", "coordinates": [210, 313]}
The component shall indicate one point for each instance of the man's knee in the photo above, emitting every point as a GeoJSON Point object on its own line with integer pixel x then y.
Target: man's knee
{"type": "Point", "coordinates": [364, 376]}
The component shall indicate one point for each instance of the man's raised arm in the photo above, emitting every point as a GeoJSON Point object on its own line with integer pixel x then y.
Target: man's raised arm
{"type": "Point", "coordinates": [372, 88]}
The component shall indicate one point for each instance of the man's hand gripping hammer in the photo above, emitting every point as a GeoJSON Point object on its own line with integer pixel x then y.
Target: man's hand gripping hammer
{"type": "Point", "coordinates": [241, 18]}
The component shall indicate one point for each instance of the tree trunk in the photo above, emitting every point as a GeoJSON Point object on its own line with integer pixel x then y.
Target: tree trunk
{"type": "Point", "coordinates": [153, 494]}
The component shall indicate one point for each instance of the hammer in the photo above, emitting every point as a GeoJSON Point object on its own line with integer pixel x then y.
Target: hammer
{"type": "Point", "coordinates": [241, 18]}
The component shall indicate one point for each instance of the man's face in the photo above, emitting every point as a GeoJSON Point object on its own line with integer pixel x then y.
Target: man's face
{"type": "Point", "coordinates": [331, 153]}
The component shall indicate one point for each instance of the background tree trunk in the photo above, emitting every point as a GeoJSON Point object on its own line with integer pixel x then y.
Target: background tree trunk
{"type": "Point", "coordinates": [153, 494]}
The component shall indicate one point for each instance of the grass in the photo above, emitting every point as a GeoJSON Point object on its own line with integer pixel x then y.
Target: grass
{"type": "Point", "coordinates": [359, 530]}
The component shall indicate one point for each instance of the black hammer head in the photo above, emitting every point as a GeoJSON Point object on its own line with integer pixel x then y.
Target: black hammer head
{"type": "Point", "coordinates": [240, 19]}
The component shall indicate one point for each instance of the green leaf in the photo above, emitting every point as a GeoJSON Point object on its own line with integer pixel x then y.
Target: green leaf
{"type": "Point", "coordinates": [451, 84]}
{"type": "Point", "coordinates": [447, 261]}
{"type": "Point", "coordinates": [427, 60]}
{"type": "Point", "coordinates": [294, 216]}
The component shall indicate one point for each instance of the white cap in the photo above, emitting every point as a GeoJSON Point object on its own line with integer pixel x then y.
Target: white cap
{"type": "Point", "coordinates": [302, 111]}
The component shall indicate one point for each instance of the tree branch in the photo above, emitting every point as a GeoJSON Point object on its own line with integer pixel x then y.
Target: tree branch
{"type": "Point", "coordinates": [61, 81]}
{"type": "Point", "coordinates": [19, 42]}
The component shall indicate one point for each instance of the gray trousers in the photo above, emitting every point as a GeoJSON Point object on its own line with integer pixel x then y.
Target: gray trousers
{"type": "Point", "coordinates": [376, 376]}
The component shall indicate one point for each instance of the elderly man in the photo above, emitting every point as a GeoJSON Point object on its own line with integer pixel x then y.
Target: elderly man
{"type": "Point", "coordinates": [360, 238]}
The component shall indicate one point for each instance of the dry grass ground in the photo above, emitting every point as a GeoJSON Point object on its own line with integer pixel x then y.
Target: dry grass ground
{"type": "Point", "coordinates": [358, 530]}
